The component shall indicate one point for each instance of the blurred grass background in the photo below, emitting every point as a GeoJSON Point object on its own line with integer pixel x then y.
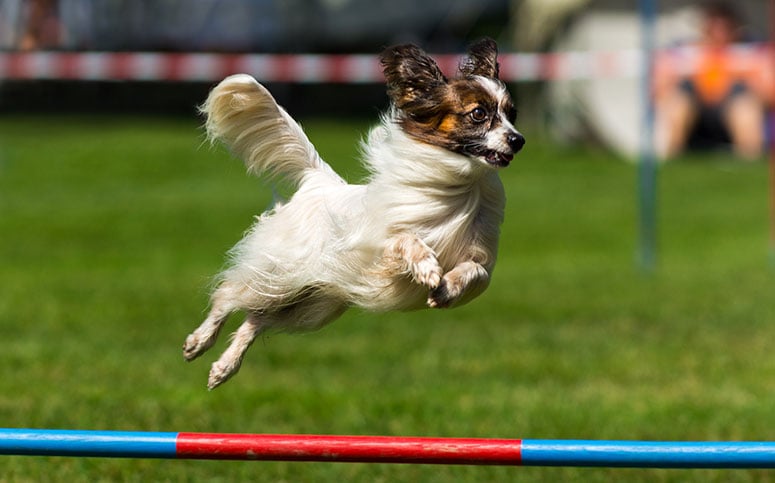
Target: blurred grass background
{"type": "Point", "coordinates": [112, 227]}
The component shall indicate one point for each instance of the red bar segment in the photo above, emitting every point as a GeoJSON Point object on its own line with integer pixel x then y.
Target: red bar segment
{"type": "Point", "coordinates": [361, 449]}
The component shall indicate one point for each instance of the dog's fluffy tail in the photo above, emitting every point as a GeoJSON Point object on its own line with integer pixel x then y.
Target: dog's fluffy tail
{"type": "Point", "coordinates": [243, 115]}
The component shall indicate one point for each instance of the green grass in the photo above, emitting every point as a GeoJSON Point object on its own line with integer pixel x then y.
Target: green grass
{"type": "Point", "coordinates": [111, 228]}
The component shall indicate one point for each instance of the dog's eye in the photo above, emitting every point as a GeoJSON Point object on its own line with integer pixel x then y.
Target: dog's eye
{"type": "Point", "coordinates": [479, 115]}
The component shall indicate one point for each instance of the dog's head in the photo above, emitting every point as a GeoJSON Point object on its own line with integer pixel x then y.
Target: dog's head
{"type": "Point", "coordinates": [471, 114]}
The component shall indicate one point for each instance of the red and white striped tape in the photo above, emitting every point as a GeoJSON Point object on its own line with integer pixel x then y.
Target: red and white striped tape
{"type": "Point", "coordinates": [315, 68]}
{"type": "Point", "coordinates": [305, 68]}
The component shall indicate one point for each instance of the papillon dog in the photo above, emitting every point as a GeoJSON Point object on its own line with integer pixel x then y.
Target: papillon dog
{"type": "Point", "coordinates": [422, 232]}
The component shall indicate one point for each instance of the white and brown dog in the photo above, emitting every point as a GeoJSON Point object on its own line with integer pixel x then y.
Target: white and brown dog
{"type": "Point", "coordinates": [422, 232]}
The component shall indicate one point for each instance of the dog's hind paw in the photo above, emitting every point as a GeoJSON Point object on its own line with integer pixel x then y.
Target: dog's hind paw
{"type": "Point", "coordinates": [220, 372]}
{"type": "Point", "coordinates": [195, 346]}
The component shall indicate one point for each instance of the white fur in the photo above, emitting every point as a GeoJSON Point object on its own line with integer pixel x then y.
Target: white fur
{"type": "Point", "coordinates": [496, 138]}
{"type": "Point", "coordinates": [423, 231]}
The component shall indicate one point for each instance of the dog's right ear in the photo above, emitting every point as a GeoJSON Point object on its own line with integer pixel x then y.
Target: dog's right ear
{"type": "Point", "coordinates": [482, 59]}
{"type": "Point", "coordinates": [413, 78]}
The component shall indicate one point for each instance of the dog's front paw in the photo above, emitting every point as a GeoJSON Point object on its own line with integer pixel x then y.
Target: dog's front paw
{"type": "Point", "coordinates": [459, 285]}
{"type": "Point", "coordinates": [427, 271]}
{"type": "Point", "coordinates": [448, 291]}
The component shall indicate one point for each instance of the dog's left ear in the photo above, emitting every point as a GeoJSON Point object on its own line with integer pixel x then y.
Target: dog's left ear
{"type": "Point", "coordinates": [482, 59]}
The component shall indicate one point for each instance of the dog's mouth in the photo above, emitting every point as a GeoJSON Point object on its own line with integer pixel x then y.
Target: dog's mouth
{"type": "Point", "coordinates": [497, 158]}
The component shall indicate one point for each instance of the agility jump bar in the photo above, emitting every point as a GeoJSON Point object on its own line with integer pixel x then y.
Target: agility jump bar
{"type": "Point", "coordinates": [386, 449]}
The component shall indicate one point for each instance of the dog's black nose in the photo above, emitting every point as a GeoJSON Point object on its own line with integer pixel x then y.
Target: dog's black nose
{"type": "Point", "coordinates": [515, 141]}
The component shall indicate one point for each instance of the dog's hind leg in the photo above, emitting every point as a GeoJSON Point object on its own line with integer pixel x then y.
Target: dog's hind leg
{"type": "Point", "coordinates": [223, 304]}
{"type": "Point", "coordinates": [229, 362]}
{"type": "Point", "coordinates": [315, 309]}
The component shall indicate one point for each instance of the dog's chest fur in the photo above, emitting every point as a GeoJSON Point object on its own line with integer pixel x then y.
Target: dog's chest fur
{"type": "Point", "coordinates": [450, 203]}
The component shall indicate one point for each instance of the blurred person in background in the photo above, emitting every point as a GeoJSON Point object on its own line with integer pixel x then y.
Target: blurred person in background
{"type": "Point", "coordinates": [722, 101]}
{"type": "Point", "coordinates": [41, 28]}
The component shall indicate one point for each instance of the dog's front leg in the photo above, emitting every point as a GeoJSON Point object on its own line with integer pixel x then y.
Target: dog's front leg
{"type": "Point", "coordinates": [459, 285]}
{"type": "Point", "coordinates": [407, 252]}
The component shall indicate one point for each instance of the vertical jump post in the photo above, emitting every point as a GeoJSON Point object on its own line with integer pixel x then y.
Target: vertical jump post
{"type": "Point", "coordinates": [647, 163]}
{"type": "Point", "coordinates": [771, 133]}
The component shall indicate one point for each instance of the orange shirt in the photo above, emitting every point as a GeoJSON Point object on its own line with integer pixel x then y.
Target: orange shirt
{"type": "Point", "coordinates": [714, 76]}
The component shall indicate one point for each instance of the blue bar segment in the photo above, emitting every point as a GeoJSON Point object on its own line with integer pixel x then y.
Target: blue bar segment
{"type": "Point", "coordinates": [62, 442]}
{"type": "Point", "coordinates": [648, 454]}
